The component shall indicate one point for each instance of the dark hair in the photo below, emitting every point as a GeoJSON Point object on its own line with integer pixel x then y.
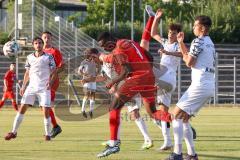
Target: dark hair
{"type": "Point", "coordinates": [175, 27]}
{"type": "Point", "coordinates": [90, 51]}
{"type": "Point", "coordinates": [104, 37]}
{"type": "Point", "coordinates": [47, 32]}
{"type": "Point", "coordinates": [205, 21]}
{"type": "Point", "coordinates": [37, 38]}
{"type": "Point", "coordinates": [13, 63]}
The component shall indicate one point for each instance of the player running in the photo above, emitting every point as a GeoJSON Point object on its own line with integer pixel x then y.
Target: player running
{"type": "Point", "coordinates": [201, 60]}
{"type": "Point", "coordinates": [39, 68]}
{"type": "Point", "coordinates": [8, 92]}
{"type": "Point", "coordinates": [48, 48]}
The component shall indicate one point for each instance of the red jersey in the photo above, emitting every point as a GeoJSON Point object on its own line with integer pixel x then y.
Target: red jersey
{"type": "Point", "coordinates": [59, 62]}
{"type": "Point", "coordinates": [10, 76]}
{"type": "Point", "coordinates": [128, 51]}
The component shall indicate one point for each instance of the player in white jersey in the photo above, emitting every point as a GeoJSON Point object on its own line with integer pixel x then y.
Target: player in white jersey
{"type": "Point", "coordinates": [201, 59]}
{"type": "Point", "coordinates": [39, 68]}
{"type": "Point", "coordinates": [170, 60]}
{"type": "Point", "coordinates": [88, 68]}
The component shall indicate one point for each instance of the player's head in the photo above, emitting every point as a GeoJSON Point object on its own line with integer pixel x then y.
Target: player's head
{"type": "Point", "coordinates": [91, 53]}
{"type": "Point", "coordinates": [47, 38]}
{"type": "Point", "coordinates": [38, 44]}
{"type": "Point", "coordinates": [12, 66]}
{"type": "Point", "coordinates": [106, 41]}
{"type": "Point", "coordinates": [202, 25]}
{"type": "Point", "coordinates": [173, 30]}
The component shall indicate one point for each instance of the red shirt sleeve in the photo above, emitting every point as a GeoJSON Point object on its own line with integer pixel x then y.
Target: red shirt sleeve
{"type": "Point", "coordinates": [7, 75]}
{"type": "Point", "coordinates": [58, 58]}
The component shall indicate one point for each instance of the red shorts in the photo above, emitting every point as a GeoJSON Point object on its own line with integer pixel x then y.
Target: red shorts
{"type": "Point", "coordinates": [53, 95]}
{"type": "Point", "coordinates": [143, 85]}
{"type": "Point", "coordinates": [8, 95]}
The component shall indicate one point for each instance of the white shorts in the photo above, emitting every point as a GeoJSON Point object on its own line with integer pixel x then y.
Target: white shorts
{"type": "Point", "coordinates": [167, 85]}
{"type": "Point", "coordinates": [195, 97]}
{"type": "Point", "coordinates": [136, 104]}
{"type": "Point", "coordinates": [29, 96]}
{"type": "Point", "coordinates": [91, 86]}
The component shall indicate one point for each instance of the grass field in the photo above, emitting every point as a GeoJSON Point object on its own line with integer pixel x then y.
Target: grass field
{"type": "Point", "coordinates": [218, 138]}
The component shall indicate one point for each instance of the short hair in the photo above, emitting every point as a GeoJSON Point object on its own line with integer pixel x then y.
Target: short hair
{"type": "Point", "coordinates": [37, 38]}
{"type": "Point", "coordinates": [205, 21]}
{"type": "Point", "coordinates": [91, 51]}
{"type": "Point", "coordinates": [13, 63]}
{"type": "Point", "coordinates": [47, 32]}
{"type": "Point", "coordinates": [105, 36]}
{"type": "Point", "coordinates": [175, 27]}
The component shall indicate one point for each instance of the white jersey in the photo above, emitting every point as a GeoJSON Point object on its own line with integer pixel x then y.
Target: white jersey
{"type": "Point", "coordinates": [88, 68]}
{"type": "Point", "coordinates": [39, 70]}
{"type": "Point", "coordinates": [108, 70]}
{"type": "Point", "coordinates": [171, 62]}
{"type": "Point", "coordinates": [203, 49]}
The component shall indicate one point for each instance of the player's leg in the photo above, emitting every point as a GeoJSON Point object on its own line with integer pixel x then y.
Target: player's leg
{"type": "Point", "coordinates": [164, 101]}
{"type": "Point", "coordinates": [114, 120]}
{"type": "Point", "coordinates": [12, 97]}
{"type": "Point", "coordinates": [56, 127]}
{"type": "Point", "coordinates": [17, 122]}
{"type": "Point", "coordinates": [44, 98]}
{"type": "Point", "coordinates": [2, 101]}
{"type": "Point", "coordinates": [135, 115]}
{"type": "Point", "coordinates": [146, 36]}
{"type": "Point", "coordinates": [84, 101]}
{"type": "Point", "coordinates": [92, 102]}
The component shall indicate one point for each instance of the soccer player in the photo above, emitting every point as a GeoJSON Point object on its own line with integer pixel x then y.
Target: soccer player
{"type": "Point", "coordinates": [48, 48]}
{"type": "Point", "coordinates": [170, 60]}
{"type": "Point", "coordinates": [39, 68]}
{"type": "Point", "coordinates": [8, 81]}
{"type": "Point", "coordinates": [201, 60]}
{"type": "Point", "coordinates": [133, 108]}
{"type": "Point", "coordinates": [88, 68]}
{"type": "Point", "coordinates": [133, 65]}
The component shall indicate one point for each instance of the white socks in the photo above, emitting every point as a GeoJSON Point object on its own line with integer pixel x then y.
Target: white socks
{"type": "Point", "coordinates": [17, 121]}
{"type": "Point", "coordinates": [143, 129]}
{"type": "Point", "coordinates": [188, 137]}
{"type": "Point", "coordinates": [83, 104]}
{"type": "Point", "coordinates": [166, 134]}
{"type": "Point", "coordinates": [178, 135]}
{"type": "Point", "coordinates": [47, 126]}
{"type": "Point", "coordinates": [92, 102]}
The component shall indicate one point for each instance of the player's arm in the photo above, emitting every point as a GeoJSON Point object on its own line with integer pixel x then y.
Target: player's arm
{"type": "Point", "coordinates": [25, 81]}
{"type": "Point", "coordinates": [154, 29]}
{"type": "Point", "coordinates": [53, 74]}
{"type": "Point", "coordinates": [125, 70]}
{"type": "Point", "coordinates": [187, 58]}
{"type": "Point", "coordinates": [176, 54]}
{"type": "Point", "coordinates": [59, 62]}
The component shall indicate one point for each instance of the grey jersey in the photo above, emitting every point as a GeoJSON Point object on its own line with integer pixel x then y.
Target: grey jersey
{"type": "Point", "coordinates": [89, 68]}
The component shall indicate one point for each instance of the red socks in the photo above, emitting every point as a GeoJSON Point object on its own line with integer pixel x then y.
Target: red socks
{"type": "Point", "coordinates": [114, 120]}
{"type": "Point", "coordinates": [15, 106]}
{"type": "Point", "coordinates": [147, 31]}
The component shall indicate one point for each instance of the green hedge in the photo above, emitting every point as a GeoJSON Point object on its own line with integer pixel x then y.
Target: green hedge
{"type": "Point", "coordinates": [3, 37]}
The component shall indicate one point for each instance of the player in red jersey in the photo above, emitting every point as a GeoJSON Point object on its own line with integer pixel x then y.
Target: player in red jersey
{"type": "Point", "coordinates": [133, 65]}
{"type": "Point", "coordinates": [48, 48]}
{"type": "Point", "coordinates": [8, 93]}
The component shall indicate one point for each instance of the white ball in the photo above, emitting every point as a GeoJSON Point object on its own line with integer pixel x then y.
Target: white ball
{"type": "Point", "coordinates": [10, 49]}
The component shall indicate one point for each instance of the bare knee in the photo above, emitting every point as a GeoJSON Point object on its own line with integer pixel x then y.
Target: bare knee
{"type": "Point", "coordinates": [135, 114]}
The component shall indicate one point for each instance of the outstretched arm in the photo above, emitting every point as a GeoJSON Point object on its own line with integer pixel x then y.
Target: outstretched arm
{"type": "Point", "coordinates": [154, 30]}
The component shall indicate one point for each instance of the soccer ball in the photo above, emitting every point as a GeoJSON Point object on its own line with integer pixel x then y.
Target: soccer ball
{"type": "Point", "coordinates": [10, 49]}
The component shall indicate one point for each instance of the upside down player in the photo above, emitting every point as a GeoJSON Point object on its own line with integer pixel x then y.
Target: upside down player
{"type": "Point", "coordinates": [48, 48]}
{"type": "Point", "coordinates": [8, 87]}
{"type": "Point", "coordinates": [133, 65]}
